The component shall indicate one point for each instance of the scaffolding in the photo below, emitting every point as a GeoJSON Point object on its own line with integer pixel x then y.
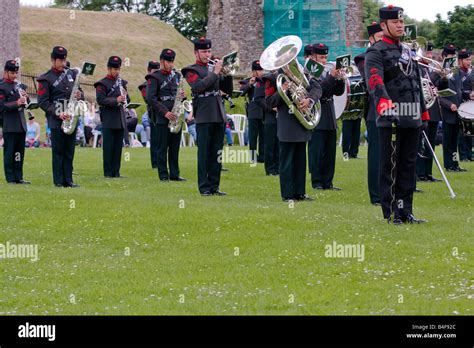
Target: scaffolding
{"type": "Point", "coordinates": [312, 20]}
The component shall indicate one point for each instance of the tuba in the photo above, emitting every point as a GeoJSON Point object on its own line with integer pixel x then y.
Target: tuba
{"type": "Point", "coordinates": [283, 54]}
{"type": "Point", "coordinates": [180, 105]}
{"type": "Point", "coordinates": [73, 108]}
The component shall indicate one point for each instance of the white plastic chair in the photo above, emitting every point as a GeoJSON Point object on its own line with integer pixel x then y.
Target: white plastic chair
{"type": "Point", "coordinates": [239, 127]}
{"type": "Point", "coordinates": [96, 137]}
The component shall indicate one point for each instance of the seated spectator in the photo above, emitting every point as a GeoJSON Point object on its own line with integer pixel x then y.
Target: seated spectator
{"type": "Point", "coordinates": [143, 129]}
{"type": "Point", "coordinates": [229, 126]}
{"type": "Point", "coordinates": [33, 132]}
{"type": "Point", "coordinates": [91, 123]}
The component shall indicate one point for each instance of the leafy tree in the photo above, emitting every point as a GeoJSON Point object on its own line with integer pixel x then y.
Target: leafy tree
{"type": "Point", "coordinates": [457, 29]}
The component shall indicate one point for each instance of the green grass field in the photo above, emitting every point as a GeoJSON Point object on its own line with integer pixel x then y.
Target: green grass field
{"type": "Point", "coordinates": [139, 246]}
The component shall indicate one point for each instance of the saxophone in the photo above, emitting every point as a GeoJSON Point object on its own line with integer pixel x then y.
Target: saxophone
{"type": "Point", "coordinates": [180, 105]}
{"type": "Point", "coordinates": [68, 126]}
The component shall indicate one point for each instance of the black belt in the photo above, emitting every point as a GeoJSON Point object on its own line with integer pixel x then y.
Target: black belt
{"type": "Point", "coordinates": [168, 97]}
{"type": "Point", "coordinates": [207, 94]}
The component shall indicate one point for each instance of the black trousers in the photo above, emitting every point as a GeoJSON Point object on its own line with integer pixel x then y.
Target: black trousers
{"type": "Point", "coordinates": [373, 162]}
{"type": "Point", "coordinates": [450, 145]}
{"type": "Point", "coordinates": [397, 169]}
{"type": "Point", "coordinates": [424, 165]}
{"type": "Point", "coordinates": [168, 152]}
{"type": "Point", "coordinates": [323, 162]}
{"type": "Point", "coordinates": [256, 136]}
{"type": "Point", "coordinates": [292, 169]}
{"type": "Point", "coordinates": [153, 146]}
{"type": "Point", "coordinates": [112, 143]}
{"type": "Point", "coordinates": [210, 143]}
{"type": "Point", "coordinates": [465, 147]}
{"type": "Point", "coordinates": [271, 149]}
{"type": "Point", "coordinates": [351, 137]}
{"type": "Point", "coordinates": [63, 147]}
{"type": "Point", "coordinates": [13, 155]}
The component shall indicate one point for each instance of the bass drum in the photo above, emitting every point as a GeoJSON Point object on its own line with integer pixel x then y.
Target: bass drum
{"type": "Point", "coordinates": [466, 116]}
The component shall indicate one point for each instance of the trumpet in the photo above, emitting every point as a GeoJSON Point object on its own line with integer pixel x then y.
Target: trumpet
{"type": "Point", "coordinates": [22, 94]}
{"type": "Point", "coordinates": [123, 93]}
{"type": "Point", "coordinates": [227, 69]}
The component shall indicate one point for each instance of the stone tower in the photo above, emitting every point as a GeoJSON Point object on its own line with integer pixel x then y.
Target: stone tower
{"type": "Point", "coordinates": [239, 25]}
{"type": "Point", "coordinates": [9, 30]}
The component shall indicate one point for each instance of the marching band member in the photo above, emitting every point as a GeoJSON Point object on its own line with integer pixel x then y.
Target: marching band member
{"type": "Point", "coordinates": [112, 96]}
{"type": "Point", "coordinates": [450, 117]}
{"type": "Point", "coordinates": [424, 163]}
{"type": "Point", "coordinates": [54, 91]}
{"type": "Point", "coordinates": [467, 78]}
{"type": "Point", "coordinates": [255, 90]}
{"type": "Point", "coordinates": [12, 110]}
{"type": "Point", "coordinates": [209, 113]}
{"type": "Point", "coordinates": [375, 34]}
{"type": "Point", "coordinates": [272, 156]}
{"type": "Point", "coordinates": [162, 89]}
{"type": "Point", "coordinates": [322, 146]}
{"type": "Point", "coordinates": [394, 84]}
{"type": "Point", "coordinates": [293, 139]}
{"type": "Point", "coordinates": [152, 67]}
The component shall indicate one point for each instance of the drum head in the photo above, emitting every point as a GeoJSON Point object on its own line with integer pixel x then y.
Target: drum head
{"type": "Point", "coordinates": [340, 101]}
{"type": "Point", "coordinates": [466, 110]}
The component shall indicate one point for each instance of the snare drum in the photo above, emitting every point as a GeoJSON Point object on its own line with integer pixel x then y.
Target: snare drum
{"type": "Point", "coordinates": [466, 116]}
{"type": "Point", "coordinates": [357, 99]}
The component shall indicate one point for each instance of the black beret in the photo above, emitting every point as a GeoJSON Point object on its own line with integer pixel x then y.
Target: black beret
{"type": "Point", "coordinates": [464, 53]}
{"type": "Point", "coordinates": [59, 52]}
{"type": "Point", "coordinates": [374, 28]}
{"type": "Point", "coordinates": [391, 12]}
{"type": "Point", "coordinates": [11, 65]}
{"type": "Point", "coordinates": [429, 46]}
{"type": "Point", "coordinates": [114, 62]}
{"type": "Point", "coordinates": [256, 65]}
{"type": "Point", "coordinates": [449, 49]}
{"type": "Point", "coordinates": [308, 50]}
{"type": "Point", "coordinates": [153, 65]}
{"type": "Point", "coordinates": [202, 44]}
{"type": "Point", "coordinates": [168, 54]}
{"type": "Point", "coordinates": [320, 48]}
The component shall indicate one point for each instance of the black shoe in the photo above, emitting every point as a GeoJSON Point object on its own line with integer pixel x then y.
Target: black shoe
{"type": "Point", "coordinates": [121, 177]}
{"type": "Point", "coordinates": [433, 179]}
{"type": "Point", "coordinates": [59, 185]}
{"type": "Point", "coordinates": [273, 174]}
{"type": "Point", "coordinates": [288, 200]}
{"type": "Point", "coordinates": [334, 188]}
{"type": "Point", "coordinates": [413, 220]}
{"type": "Point", "coordinates": [318, 187]}
{"type": "Point", "coordinates": [303, 198]}
{"type": "Point", "coordinates": [219, 193]}
{"type": "Point", "coordinates": [23, 182]}
{"type": "Point", "coordinates": [421, 178]}
{"type": "Point", "coordinates": [377, 204]}
{"type": "Point", "coordinates": [12, 182]}
{"type": "Point", "coordinates": [451, 170]}
{"type": "Point", "coordinates": [165, 179]}
{"type": "Point", "coordinates": [71, 185]}
{"type": "Point", "coordinates": [224, 169]}
{"type": "Point", "coordinates": [154, 167]}
{"type": "Point", "coordinates": [178, 179]}
{"type": "Point", "coordinates": [397, 220]}
{"type": "Point", "coordinates": [459, 169]}
{"type": "Point", "coordinates": [206, 193]}
{"type": "Point", "coordinates": [417, 190]}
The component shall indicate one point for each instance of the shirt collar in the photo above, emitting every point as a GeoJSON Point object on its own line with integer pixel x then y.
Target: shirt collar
{"type": "Point", "coordinates": [164, 72]}
{"type": "Point", "coordinates": [200, 63]}
{"type": "Point", "coordinates": [8, 81]}
{"type": "Point", "coordinates": [110, 77]}
{"type": "Point", "coordinates": [390, 40]}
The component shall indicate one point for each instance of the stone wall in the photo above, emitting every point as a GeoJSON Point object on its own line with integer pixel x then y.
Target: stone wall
{"type": "Point", "coordinates": [238, 25]}
{"type": "Point", "coordinates": [9, 30]}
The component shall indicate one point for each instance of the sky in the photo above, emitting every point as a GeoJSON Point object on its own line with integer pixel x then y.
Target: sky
{"type": "Point", "coordinates": [418, 9]}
